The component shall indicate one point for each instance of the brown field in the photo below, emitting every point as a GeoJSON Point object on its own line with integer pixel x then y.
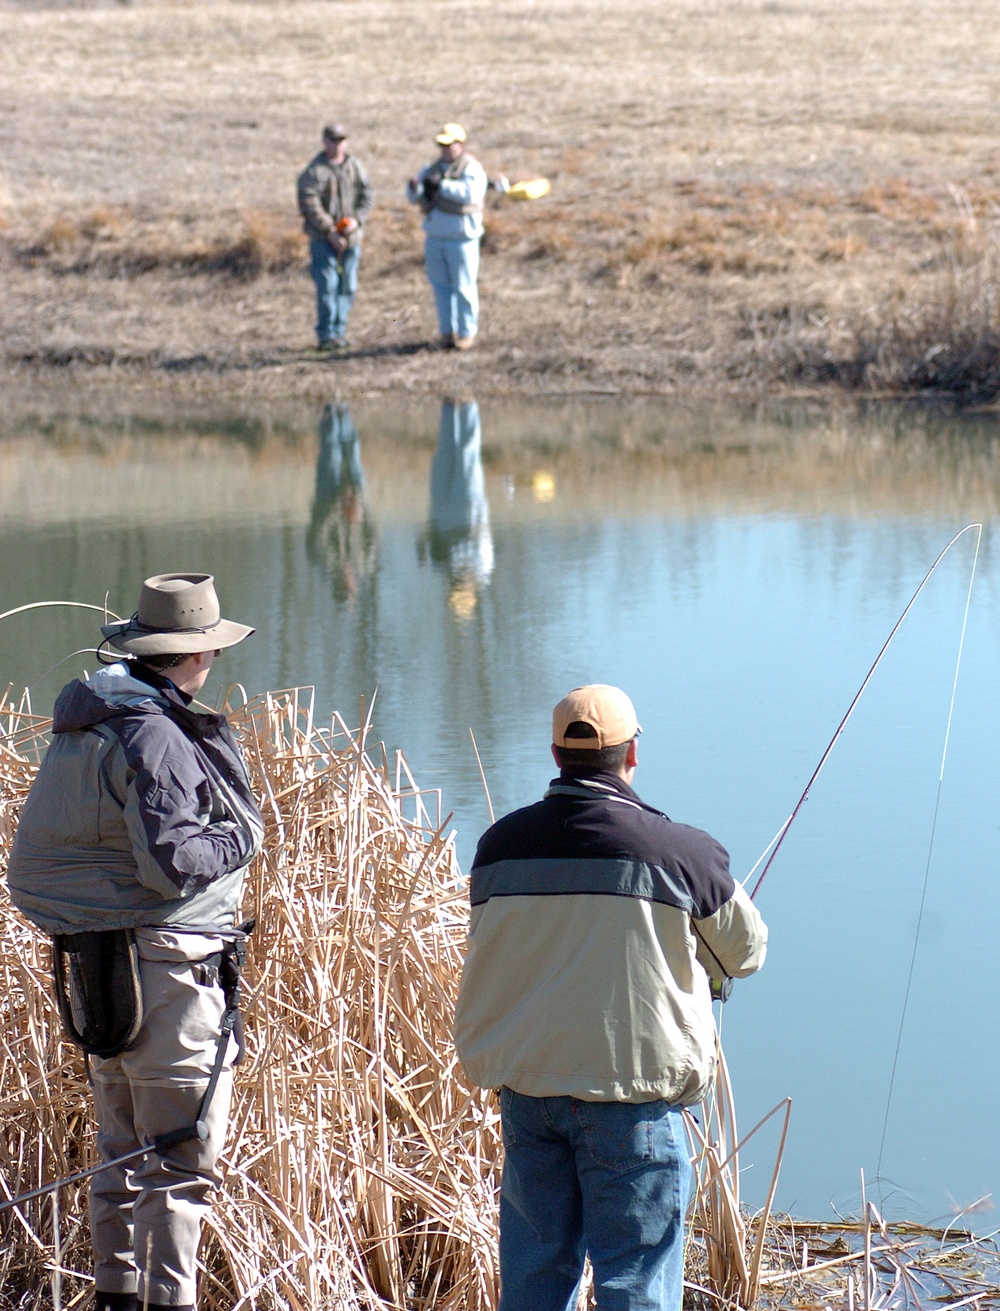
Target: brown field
{"type": "Point", "coordinates": [747, 194]}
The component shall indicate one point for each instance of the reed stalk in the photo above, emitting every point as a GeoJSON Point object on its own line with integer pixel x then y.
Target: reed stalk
{"type": "Point", "coordinates": [361, 1169]}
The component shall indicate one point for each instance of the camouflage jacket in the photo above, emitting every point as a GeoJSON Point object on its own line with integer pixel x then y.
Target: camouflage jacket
{"type": "Point", "coordinates": [329, 192]}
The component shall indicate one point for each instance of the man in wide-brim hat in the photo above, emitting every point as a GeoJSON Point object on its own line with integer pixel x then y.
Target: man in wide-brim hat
{"type": "Point", "coordinates": [138, 829]}
{"type": "Point", "coordinates": [178, 615]}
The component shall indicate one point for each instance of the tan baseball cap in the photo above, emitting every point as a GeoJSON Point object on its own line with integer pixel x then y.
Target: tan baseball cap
{"type": "Point", "coordinates": [605, 708]}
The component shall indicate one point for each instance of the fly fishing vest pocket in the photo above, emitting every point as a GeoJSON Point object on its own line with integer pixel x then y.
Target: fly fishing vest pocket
{"type": "Point", "coordinates": [98, 990]}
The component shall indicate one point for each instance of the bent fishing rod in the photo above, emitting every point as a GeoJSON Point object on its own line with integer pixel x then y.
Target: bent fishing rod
{"type": "Point", "coordinates": [722, 988]}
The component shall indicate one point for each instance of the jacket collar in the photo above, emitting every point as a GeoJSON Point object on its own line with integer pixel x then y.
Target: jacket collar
{"type": "Point", "coordinates": [162, 684]}
{"type": "Point", "coordinates": [594, 787]}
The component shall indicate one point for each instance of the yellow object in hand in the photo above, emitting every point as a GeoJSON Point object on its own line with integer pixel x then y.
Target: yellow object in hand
{"type": "Point", "coordinates": [534, 189]}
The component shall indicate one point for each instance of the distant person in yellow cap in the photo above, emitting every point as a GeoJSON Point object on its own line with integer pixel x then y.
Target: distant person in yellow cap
{"type": "Point", "coordinates": [450, 192]}
{"type": "Point", "coordinates": [596, 926]}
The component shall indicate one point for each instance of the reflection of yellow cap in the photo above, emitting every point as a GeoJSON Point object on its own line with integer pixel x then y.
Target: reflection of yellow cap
{"type": "Point", "coordinates": [450, 133]}
{"type": "Point", "coordinates": [462, 599]}
{"type": "Point", "coordinates": [543, 485]}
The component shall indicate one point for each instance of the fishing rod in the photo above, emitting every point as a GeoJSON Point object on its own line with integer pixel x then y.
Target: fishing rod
{"type": "Point", "coordinates": [721, 988]}
{"type": "Point", "coordinates": [159, 1144]}
{"type": "Point", "coordinates": [774, 846]}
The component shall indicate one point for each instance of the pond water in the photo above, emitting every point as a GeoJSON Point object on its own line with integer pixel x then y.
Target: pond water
{"type": "Point", "coordinates": [737, 571]}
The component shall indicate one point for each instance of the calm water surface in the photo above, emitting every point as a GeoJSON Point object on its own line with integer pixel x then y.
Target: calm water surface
{"type": "Point", "coordinates": [737, 572]}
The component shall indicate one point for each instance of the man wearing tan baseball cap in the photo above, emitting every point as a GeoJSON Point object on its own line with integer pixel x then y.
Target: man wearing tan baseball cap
{"type": "Point", "coordinates": [596, 926]}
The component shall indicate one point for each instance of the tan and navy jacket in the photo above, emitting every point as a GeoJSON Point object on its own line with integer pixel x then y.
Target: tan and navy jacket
{"type": "Point", "coordinates": [594, 920]}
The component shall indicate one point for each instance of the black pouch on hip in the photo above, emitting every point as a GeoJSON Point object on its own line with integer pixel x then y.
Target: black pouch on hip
{"type": "Point", "coordinates": [98, 990]}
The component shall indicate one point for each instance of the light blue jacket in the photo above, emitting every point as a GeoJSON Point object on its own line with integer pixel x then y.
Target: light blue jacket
{"type": "Point", "coordinates": [469, 189]}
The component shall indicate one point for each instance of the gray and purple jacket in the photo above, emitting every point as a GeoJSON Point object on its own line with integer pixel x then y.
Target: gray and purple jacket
{"type": "Point", "coordinates": [141, 814]}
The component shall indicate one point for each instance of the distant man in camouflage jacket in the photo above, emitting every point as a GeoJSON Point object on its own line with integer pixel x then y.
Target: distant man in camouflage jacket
{"type": "Point", "coordinates": [335, 200]}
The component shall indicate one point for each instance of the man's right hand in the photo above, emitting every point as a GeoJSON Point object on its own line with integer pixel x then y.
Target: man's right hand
{"type": "Point", "coordinates": [338, 242]}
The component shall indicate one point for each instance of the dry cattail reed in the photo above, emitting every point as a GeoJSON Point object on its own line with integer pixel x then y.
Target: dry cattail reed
{"type": "Point", "coordinates": [361, 1169]}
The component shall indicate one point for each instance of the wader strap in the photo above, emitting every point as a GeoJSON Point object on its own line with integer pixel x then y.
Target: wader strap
{"type": "Point", "coordinates": [229, 963]}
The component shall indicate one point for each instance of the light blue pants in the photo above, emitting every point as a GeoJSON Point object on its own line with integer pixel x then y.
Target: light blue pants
{"type": "Point", "coordinates": [608, 1178]}
{"type": "Point", "coordinates": [452, 270]}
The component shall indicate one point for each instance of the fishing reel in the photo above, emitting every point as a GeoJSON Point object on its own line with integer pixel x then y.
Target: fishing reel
{"type": "Point", "coordinates": [721, 989]}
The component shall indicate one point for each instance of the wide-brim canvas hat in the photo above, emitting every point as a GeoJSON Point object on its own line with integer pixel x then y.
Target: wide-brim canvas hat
{"type": "Point", "coordinates": [178, 615]}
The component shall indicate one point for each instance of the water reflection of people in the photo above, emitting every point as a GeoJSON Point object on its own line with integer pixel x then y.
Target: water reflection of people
{"type": "Point", "coordinates": [458, 536]}
{"type": "Point", "coordinates": [341, 535]}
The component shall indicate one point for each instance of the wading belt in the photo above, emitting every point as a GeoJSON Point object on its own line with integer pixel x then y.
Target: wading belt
{"type": "Point", "coordinates": [229, 965]}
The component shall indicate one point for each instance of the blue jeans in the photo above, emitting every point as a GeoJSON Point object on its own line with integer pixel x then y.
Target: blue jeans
{"type": "Point", "coordinates": [336, 284]}
{"type": "Point", "coordinates": [452, 269]}
{"type": "Point", "coordinates": [609, 1178]}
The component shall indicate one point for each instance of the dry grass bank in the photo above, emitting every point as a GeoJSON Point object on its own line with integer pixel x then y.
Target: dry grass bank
{"type": "Point", "coordinates": [745, 193]}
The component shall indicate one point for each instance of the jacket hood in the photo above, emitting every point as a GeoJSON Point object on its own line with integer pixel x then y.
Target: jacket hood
{"type": "Point", "coordinates": [111, 692]}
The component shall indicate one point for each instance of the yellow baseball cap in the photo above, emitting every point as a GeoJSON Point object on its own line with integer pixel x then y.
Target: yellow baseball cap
{"type": "Point", "coordinates": [605, 708]}
{"type": "Point", "coordinates": [449, 134]}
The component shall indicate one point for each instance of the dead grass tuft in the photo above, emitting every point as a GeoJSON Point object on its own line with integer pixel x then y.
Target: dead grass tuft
{"type": "Point", "coordinates": [60, 236]}
{"type": "Point", "coordinates": [105, 223]}
{"type": "Point", "coordinates": [268, 243]}
{"type": "Point", "coordinates": [113, 241]}
{"type": "Point", "coordinates": [937, 332]}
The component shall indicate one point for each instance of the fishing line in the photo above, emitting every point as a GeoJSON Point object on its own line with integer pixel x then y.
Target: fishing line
{"type": "Point", "coordinates": [774, 846]}
{"type": "Point", "coordinates": [84, 650]}
{"type": "Point", "coordinates": [42, 605]}
{"type": "Point", "coordinates": [930, 851]}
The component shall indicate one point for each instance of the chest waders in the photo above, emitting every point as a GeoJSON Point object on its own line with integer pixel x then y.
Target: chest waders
{"type": "Point", "coordinates": [99, 996]}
